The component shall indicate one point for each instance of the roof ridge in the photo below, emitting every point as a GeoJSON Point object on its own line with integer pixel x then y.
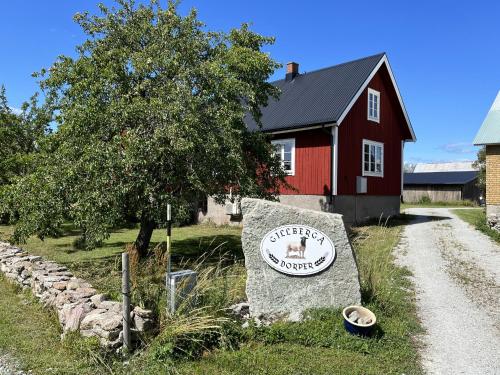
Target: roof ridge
{"type": "Point", "coordinates": [381, 54]}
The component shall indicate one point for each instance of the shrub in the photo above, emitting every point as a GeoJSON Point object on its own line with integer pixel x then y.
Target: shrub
{"type": "Point", "coordinates": [424, 199]}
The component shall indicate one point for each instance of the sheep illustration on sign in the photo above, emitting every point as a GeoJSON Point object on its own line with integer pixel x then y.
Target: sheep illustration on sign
{"type": "Point", "coordinates": [297, 250]}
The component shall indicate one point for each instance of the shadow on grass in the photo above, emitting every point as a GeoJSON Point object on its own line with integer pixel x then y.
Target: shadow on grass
{"type": "Point", "coordinates": [402, 219]}
{"type": "Point", "coordinates": [186, 249]}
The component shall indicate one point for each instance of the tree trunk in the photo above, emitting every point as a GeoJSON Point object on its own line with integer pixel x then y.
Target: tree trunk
{"type": "Point", "coordinates": [144, 236]}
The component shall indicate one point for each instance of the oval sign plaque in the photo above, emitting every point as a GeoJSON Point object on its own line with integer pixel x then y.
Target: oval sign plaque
{"type": "Point", "coordinates": [297, 249]}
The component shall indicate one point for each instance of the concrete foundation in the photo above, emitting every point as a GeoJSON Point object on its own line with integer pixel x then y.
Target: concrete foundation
{"type": "Point", "coordinates": [360, 208]}
{"type": "Point", "coordinates": [216, 213]}
{"type": "Point", "coordinates": [354, 208]}
{"type": "Point", "coordinates": [493, 209]}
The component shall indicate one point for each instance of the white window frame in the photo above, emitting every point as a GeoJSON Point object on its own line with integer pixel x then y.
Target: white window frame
{"type": "Point", "coordinates": [370, 173]}
{"type": "Point", "coordinates": [372, 117]}
{"type": "Point", "coordinates": [291, 141]}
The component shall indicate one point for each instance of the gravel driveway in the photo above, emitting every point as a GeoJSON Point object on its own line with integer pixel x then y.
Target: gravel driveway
{"type": "Point", "coordinates": [8, 366]}
{"type": "Point", "coordinates": [456, 272]}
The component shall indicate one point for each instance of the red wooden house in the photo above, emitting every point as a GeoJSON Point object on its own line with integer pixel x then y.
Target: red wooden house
{"type": "Point", "coordinates": [340, 133]}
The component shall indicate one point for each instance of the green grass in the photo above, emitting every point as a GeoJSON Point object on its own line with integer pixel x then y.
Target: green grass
{"type": "Point", "coordinates": [321, 345]}
{"type": "Point", "coordinates": [477, 218]}
{"type": "Point", "coordinates": [317, 346]}
{"type": "Point", "coordinates": [32, 335]}
{"type": "Point", "coordinates": [463, 203]}
{"type": "Point", "coordinates": [102, 266]}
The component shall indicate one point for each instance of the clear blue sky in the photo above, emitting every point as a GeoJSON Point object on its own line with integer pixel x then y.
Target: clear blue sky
{"type": "Point", "coordinates": [445, 54]}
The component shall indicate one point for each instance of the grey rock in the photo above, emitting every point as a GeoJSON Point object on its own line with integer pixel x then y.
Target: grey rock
{"type": "Point", "coordinates": [113, 306]}
{"type": "Point", "coordinates": [143, 313]}
{"type": "Point", "coordinates": [142, 324]}
{"type": "Point", "coordinates": [98, 298]}
{"type": "Point", "coordinates": [104, 319]}
{"type": "Point", "coordinates": [270, 292]}
{"type": "Point", "coordinates": [72, 315]}
{"type": "Point", "coordinates": [108, 335]}
{"type": "Point", "coordinates": [92, 318]}
{"type": "Point", "coordinates": [85, 292]}
{"type": "Point", "coordinates": [365, 320]}
{"type": "Point", "coordinates": [74, 284]}
{"type": "Point", "coordinates": [60, 285]}
{"type": "Point", "coordinates": [353, 316]}
{"type": "Point", "coordinates": [241, 309]}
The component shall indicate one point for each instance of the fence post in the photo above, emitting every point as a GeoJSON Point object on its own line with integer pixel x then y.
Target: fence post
{"type": "Point", "coordinates": [126, 302]}
{"type": "Point", "coordinates": [169, 255]}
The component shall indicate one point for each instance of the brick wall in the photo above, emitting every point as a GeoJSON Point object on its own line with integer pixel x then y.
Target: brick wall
{"type": "Point", "coordinates": [493, 174]}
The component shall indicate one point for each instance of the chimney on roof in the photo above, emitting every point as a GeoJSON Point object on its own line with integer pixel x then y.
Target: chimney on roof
{"type": "Point", "coordinates": [292, 70]}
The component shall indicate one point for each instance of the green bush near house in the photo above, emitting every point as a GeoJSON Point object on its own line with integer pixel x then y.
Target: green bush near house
{"type": "Point", "coordinates": [425, 199]}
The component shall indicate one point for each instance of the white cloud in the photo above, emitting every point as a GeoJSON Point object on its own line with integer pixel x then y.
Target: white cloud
{"type": "Point", "coordinates": [16, 111]}
{"type": "Point", "coordinates": [459, 148]}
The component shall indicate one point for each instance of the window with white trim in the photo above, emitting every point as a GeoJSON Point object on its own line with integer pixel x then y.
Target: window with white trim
{"type": "Point", "coordinates": [373, 158]}
{"type": "Point", "coordinates": [373, 105]}
{"type": "Point", "coordinates": [285, 151]}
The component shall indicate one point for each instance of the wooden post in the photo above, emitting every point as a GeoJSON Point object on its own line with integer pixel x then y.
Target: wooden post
{"type": "Point", "coordinates": [169, 246]}
{"type": "Point", "coordinates": [126, 302]}
{"type": "Point", "coordinates": [169, 238]}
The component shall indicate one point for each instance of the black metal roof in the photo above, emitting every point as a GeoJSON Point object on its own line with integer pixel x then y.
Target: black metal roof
{"type": "Point", "coordinates": [439, 178]}
{"type": "Point", "coordinates": [316, 97]}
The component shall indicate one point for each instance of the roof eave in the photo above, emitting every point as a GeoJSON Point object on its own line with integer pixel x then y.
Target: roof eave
{"type": "Point", "coordinates": [291, 129]}
{"type": "Point", "coordinates": [383, 60]}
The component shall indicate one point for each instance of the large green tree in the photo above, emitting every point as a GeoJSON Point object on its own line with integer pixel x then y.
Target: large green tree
{"type": "Point", "coordinates": [150, 112]}
{"type": "Point", "coordinates": [21, 133]}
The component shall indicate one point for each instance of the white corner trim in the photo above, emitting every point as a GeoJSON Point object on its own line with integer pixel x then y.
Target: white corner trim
{"type": "Point", "coordinates": [335, 155]}
{"type": "Point", "coordinates": [385, 61]}
{"type": "Point", "coordinates": [402, 165]}
{"type": "Point", "coordinates": [368, 173]}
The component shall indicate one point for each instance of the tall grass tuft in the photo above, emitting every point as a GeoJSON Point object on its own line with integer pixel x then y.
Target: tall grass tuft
{"type": "Point", "coordinates": [202, 321]}
{"type": "Point", "coordinates": [373, 246]}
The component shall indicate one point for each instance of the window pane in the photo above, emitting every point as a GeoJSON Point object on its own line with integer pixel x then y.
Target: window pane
{"type": "Point", "coordinates": [372, 159]}
{"type": "Point", "coordinates": [284, 150]}
{"type": "Point", "coordinates": [379, 159]}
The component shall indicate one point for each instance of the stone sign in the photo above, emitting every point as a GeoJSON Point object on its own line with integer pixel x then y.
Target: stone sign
{"type": "Point", "coordinates": [297, 249]}
{"type": "Point", "coordinates": [296, 259]}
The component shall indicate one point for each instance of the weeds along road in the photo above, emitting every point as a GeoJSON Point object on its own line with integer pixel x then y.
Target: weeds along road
{"type": "Point", "coordinates": [456, 273]}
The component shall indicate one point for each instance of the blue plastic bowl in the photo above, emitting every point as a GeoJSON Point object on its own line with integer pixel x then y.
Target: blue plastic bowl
{"type": "Point", "coordinates": [356, 328]}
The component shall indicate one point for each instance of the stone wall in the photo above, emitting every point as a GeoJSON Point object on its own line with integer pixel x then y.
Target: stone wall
{"type": "Point", "coordinates": [78, 305]}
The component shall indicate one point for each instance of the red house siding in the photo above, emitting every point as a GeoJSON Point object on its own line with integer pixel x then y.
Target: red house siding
{"type": "Point", "coordinates": [312, 162]}
{"type": "Point", "coordinates": [390, 131]}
